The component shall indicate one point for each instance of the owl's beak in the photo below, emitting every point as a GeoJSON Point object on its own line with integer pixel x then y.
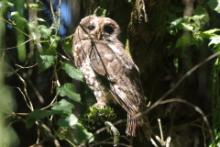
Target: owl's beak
{"type": "Point", "coordinates": [98, 34]}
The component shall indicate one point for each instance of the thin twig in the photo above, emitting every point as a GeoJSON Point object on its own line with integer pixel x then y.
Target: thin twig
{"type": "Point", "coordinates": [51, 103]}
{"type": "Point", "coordinates": [24, 97]}
{"type": "Point", "coordinates": [26, 67]}
{"type": "Point", "coordinates": [143, 10]}
{"type": "Point", "coordinates": [107, 141]}
{"type": "Point", "coordinates": [52, 12]}
{"type": "Point", "coordinates": [160, 128]}
{"type": "Point", "coordinates": [196, 108]}
{"type": "Point", "coordinates": [58, 17]}
{"type": "Point", "coordinates": [57, 82]}
{"type": "Point", "coordinates": [25, 93]}
{"type": "Point", "coordinates": [105, 128]}
{"type": "Point", "coordinates": [115, 132]}
{"type": "Point", "coordinates": [17, 28]}
{"type": "Point", "coordinates": [36, 91]}
{"type": "Point", "coordinates": [188, 73]}
{"type": "Point", "coordinates": [19, 114]}
{"type": "Point", "coordinates": [21, 44]}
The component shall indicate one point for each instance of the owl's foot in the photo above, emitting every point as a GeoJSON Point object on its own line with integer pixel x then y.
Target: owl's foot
{"type": "Point", "coordinates": [100, 105]}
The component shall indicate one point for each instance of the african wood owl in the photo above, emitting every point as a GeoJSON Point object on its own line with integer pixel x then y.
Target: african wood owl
{"type": "Point", "coordinates": [108, 69]}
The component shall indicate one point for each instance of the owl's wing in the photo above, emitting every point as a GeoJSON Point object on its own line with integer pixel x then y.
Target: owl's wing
{"type": "Point", "coordinates": [105, 57]}
{"type": "Point", "coordinates": [97, 60]}
{"type": "Point", "coordinates": [121, 73]}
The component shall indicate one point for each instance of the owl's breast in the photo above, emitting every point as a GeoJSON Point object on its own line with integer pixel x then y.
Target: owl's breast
{"type": "Point", "coordinates": [88, 72]}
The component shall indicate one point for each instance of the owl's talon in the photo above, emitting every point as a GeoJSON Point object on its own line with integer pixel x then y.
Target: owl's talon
{"type": "Point", "coordinates": [100, 105]}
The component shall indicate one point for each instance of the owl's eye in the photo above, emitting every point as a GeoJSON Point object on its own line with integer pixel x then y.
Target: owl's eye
{"type": "Point", "coordinates": [108, 29]}
{"type": "Point", "coordinates": [91, 27]}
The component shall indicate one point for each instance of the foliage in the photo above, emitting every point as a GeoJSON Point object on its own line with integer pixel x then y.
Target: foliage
{"type": "Point", "coordinates": [7, 134]}
{"type": "Point", "coordinates": [197, 34]}
{"type": "Point", "coordinates": [96, 117]}
{"type": "Point", "coordinates": [53, 99]}
{"type": "Point", "coordinates": [216, 141]}
{"type": "Point", "coordinates": [193, 24]}
{"type": "Point", "coordinates": [44, 44]}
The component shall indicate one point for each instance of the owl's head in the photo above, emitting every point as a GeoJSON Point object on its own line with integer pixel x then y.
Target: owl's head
{"type": "Point", "coordinates": [97, 28]}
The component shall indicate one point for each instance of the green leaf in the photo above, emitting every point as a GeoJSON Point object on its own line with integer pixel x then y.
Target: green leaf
{"type": "Point", "coordinates": [44, 31]}
{"type": "Point", "coordinates": [63, 106]}
{"type": "Point", "coordinates": [81, 134]}
{"type": "Point", "coordinates": [72, 119]}
{"type": "Point", "coordinates": [67, 45]}
{"type": "Point", "coordinates": [99, 11]}
{"type": "Point", "coordinates": [214, 5]}
{"type": "Point", "coordinates": [47, 61]}
{"type": "Point", "coordinates": [187, 26]}
{"type": "Point", "coordinates": [68, 90]}
{"type": "Point", "coordinates": [72, 72]}
{"type": "Point", "coordinates": [16, 16]}
{"type": "Point", "coordinates": [184, 41]}
{"type": "Point", "coordinates": [33, 5]}
{"type": "Point", "coordinates": [214, 40]}
{"type": "Point", "coordinates": [210, 33]}
{"type": "Point", "coordinates": [175, 26]}
{"type": "Point", "coordinates": [54, 39]}
{"type": "Point", "coordinates": [38, 115]}
{"type": "Point", "coordinates": [68, 121]}
{"type": "Point", "coordinates": [75, 135]}
{"type": "Point", "coordinates": [201, 15]}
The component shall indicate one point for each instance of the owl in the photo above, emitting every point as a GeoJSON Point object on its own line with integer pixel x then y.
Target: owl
{"type": "Point", "coordinates": [108, 70]}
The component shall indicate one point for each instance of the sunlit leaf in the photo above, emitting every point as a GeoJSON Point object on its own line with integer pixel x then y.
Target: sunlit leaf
{"type": "Point", "coordinates": [210, 33]}
{"type": "Point", "coordinates": [72, 119]}
{"type": "Point", "coordinates": [187, 26]}
{"type": "Point", "coordinates": [44, 31]}
{"type": "Point", "coordinates": [47, 61]}
{"type": "Point", "coordinates": [82, 135]}
{"type": "Point", "coordinates": [33, 5]}
{"type": "Point", "coordinates": [63, 106]}
{"type": "Point", "coordinates": [54, 41]}
{"type": "Point", "coordinates": [214, 40]}
{"type": "Point", "coordinates": [100, 11]}
{"type": "Point", "coordinates": [68, 121]}
{"type": "Point", "coordinates": [200, 15]}
{"type": "Point", "coordinates": [175, 26]}
{"type": "Point", "coordinates": [17, 17]}
{"type": "Point", "coordinates": [41, 19]}
{"type": "Point", "coordinates": [214, 5]}
{"type": "Point", "coordinates": [72, 72]}
{"type": "Point", "coordinates": [68, 90]}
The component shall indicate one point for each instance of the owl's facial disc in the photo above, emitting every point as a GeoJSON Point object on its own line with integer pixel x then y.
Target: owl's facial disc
{"type": "Point", "coordinates": [108, 29]}
{"type": "Point", "coordinates": [93, 30]}
{"type": "Point", "coordinates": [91, 27]}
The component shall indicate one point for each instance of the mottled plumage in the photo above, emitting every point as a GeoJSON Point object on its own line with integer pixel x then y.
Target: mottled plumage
{"type": "Point", "coordinates": [107, 68]}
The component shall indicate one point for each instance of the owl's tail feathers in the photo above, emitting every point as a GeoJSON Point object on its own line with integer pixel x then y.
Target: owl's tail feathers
{"type": "Point", "coordinates": [137, 125]}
